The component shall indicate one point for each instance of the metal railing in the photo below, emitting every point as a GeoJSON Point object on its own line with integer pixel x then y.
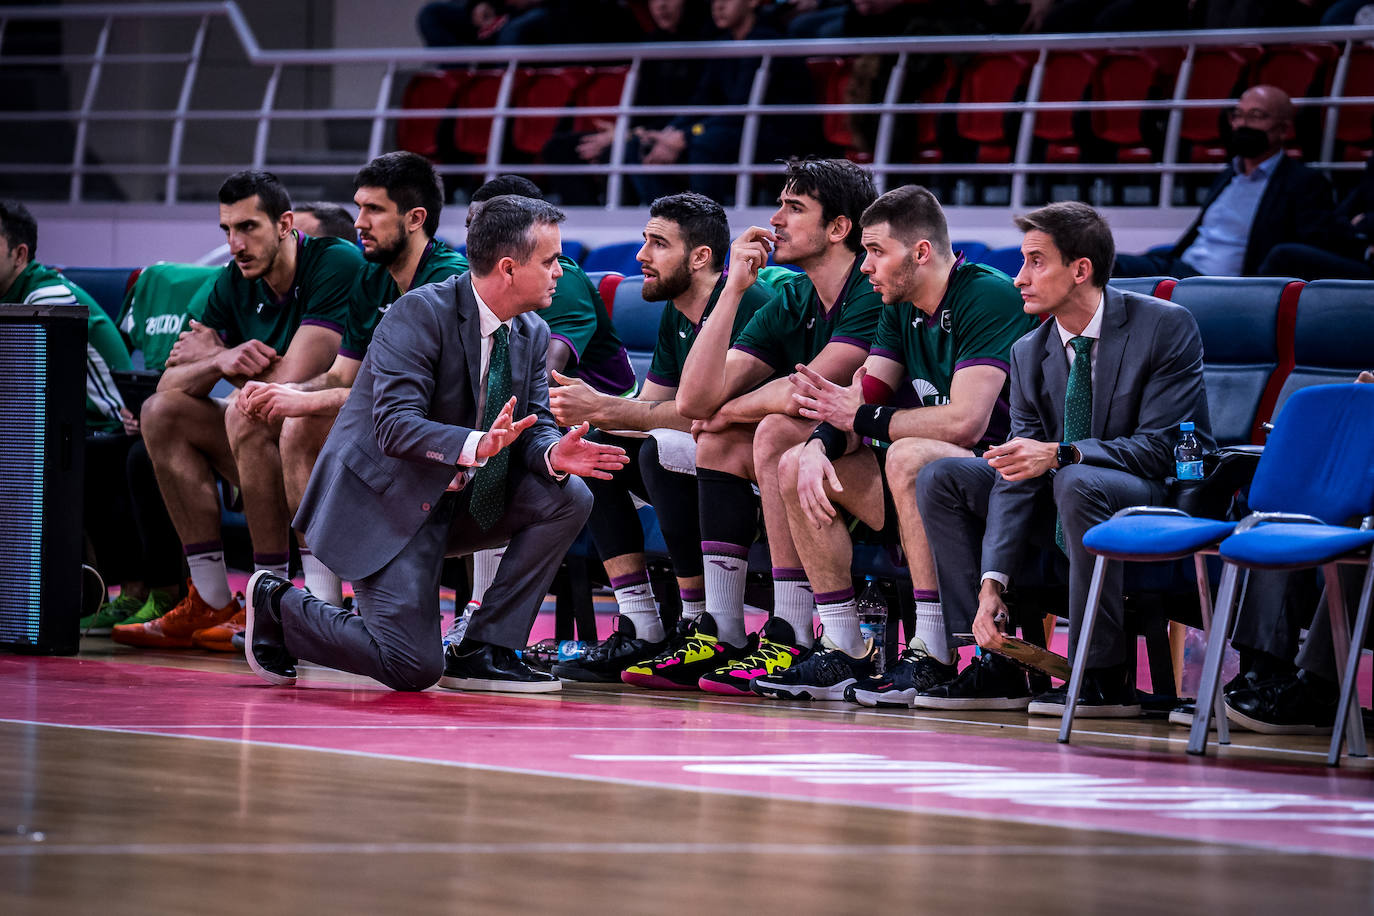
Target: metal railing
{"type": "Point", "coordinates": [264, 112]}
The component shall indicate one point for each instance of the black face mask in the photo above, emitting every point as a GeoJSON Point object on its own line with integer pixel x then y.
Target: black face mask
{"type": "Point", "coordinates": [1249, 142]}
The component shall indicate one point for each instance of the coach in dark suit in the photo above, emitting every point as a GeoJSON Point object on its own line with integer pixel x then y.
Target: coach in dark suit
{"type": "Point", "coordinates": [1075, 453]}
{"type": "Point", "coordinates": [427, 460]}
{"type": "Point", "coordinates": [1261, 199]}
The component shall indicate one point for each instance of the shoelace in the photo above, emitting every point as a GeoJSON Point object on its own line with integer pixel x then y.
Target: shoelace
{"type": "Point", "coordinates": [766, 652]}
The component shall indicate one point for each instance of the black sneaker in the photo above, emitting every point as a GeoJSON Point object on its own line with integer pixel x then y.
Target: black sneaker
{"type": "Point", "coordinates": [989, 682]}
{"type": "Point", "coordinates": [1107, 694]}
{"type": "Point", "coordinates": [264, 642]}
{"type": "Point", "coordinates": [604, 661]}
{"type": "Point", "coordinates": [477, 665]}
{"type": "Point", "coordinates": [681, 663]}
{"type": "Point", "coordinates": [822, 675]}
{"type": "Point", "coordinates": [1290, 704]}
{"type": "Point", "coordinates": [914, 672]}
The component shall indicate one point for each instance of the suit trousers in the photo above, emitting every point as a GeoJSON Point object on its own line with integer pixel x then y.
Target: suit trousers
{"type": "Point", "coordinates": [395, 637]}
{"type": "Point", "coordinates": [953, 495]}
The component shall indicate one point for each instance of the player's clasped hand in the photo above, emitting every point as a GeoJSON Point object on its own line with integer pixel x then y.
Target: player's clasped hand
{"type": "Point", "coordinates": [574, 454]}
{"type": "Point", "coordinates": [818, 398]}
{"type": "Point", "coordinates": [504, 430]}
{"type": "Point", "coordinates": [572, 401]}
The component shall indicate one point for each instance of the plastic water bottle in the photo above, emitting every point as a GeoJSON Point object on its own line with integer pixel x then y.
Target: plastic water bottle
{"type": "Point", "coordinates": [1188, 453]}
{"type": "Point", "coordinates": [460, 626]}
{"type": "Point", "coordinates": [873, 621]}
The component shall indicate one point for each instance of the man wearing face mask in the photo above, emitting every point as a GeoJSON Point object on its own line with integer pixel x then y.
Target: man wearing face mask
{"type": "Point", "coordinates": [1262, 199]}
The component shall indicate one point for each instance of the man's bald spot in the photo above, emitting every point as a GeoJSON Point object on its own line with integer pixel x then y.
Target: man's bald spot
{"type": "Point", "coordinates": [1272, 99]}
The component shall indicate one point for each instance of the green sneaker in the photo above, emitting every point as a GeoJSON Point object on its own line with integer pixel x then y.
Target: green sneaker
{"type": "Point", "coordinates": [110, 613]}
{"type": "Point", "coordinates": [157, 604]}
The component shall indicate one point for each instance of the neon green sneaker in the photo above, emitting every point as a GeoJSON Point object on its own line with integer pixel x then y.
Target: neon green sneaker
{"type": "Point", "coordinates": [110, 613]}
{"type": "Point", "coordinates": [158, 603]}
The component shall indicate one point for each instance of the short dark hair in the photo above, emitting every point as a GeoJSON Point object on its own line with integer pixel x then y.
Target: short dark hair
{"type": "Point", "coordinates": [1078, 231]}
{"type": "Point", "coordinates": [18, 226]}
{"type": "Point", "coordinates": [838, 185]}
{"type": "Point", "coordinates": [518, 185]}
{"type": "Point", "coordinates": [701, 220]}
{"type": "Point", "coordinates": [272, 197]}
{"type": "Point", "coordinates": [335, 220]}
{"type": "Point", "coordinates": [502, 229]}
{"type": "Point", "coordinates": [912, 213]}
{"type": "Point", "coordinates": [410, 181]}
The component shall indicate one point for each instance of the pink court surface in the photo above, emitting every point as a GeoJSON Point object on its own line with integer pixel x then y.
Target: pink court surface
{"type": "Point", "coordinates": [145, 767]}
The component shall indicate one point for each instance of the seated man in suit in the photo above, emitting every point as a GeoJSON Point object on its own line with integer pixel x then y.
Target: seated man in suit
{"type": "Point", "coordinates": [1348, 250]}
{"type": "Point", "coordinates": [1097, 394]}
{"type": "Point", "coordinates": [1261, 199]}
{"type": "Point", "coordinates": [427, 460]}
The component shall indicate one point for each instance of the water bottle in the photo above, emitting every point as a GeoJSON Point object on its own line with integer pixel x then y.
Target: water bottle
{"type": "Point", "coordinates": [1194, 653]}
{"type": "Point", "coordinates": [1188, 453]}
{"type": "Point", "coordinates": [460, 625]}
{"type": "Point", "coordinates": [873, 621]}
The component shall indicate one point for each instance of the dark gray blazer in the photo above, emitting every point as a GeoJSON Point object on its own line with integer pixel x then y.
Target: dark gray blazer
{"type": "Point", "coordinates": [395, 446]}
{"type": "Point", "coordinates": [1147, 379]}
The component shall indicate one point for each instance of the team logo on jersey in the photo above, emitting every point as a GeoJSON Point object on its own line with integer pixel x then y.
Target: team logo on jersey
{"type": "Point", "coordinates": [946, 323]}
{"type": "Point", "coordinates": [812, 323]}
{"type": "Point", "coordinates": [682, 334]}
{"type": "Point", "coordinates": [928, 393]}
{"type": "Point", "coordinates": [383, 309]}
{"type": "Point", "coordinates": [260, 307]}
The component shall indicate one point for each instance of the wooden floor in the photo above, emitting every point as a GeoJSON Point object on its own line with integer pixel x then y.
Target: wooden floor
{"type": "Point", "coordinates": [143, 782]}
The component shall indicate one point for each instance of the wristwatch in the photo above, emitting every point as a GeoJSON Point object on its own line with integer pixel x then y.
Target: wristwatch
{"type": "Point", "coordinates": [1067, 454]}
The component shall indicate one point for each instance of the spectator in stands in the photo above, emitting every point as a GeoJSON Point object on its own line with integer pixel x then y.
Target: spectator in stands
{"type": "Point", "coordinates": [852, 18]}
{"type": "Point", "coordinates": [1261, 199]}
{"type": "Point", "coordinates": [523, 22]}
{"type": "Point", "coordinates": [431, 399]}
{"type": "Point", "coordinates": [1097, 394]}
{"type": "Point", "coordinates": [582, 344]}
{"type": "Point", "coordinates": [685, 243]}
{"type": "Point", "coordinates": [320, 219]}
{"type": "Point", "coordinates": [824, 316]}
{"type": "Point", "coordinates": [275, 314]}
{"type": "Point", "coordinates": [399, 198]}
{"type": "Point", "coordinates": [110, 426]}
{"type": "Point", "coordinates": [704, 139]}
{"type": "Point", "coordinates": [946, 330]}
{"type": "Point", "coordinates": [1348, 252]}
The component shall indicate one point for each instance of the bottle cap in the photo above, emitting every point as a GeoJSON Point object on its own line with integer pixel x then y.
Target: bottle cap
{"type": "Point", "coordinates": [1186, 426]}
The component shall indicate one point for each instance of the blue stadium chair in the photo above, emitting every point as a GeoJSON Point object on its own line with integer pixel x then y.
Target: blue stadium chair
{"type": "Point", "coordinates": [574, 249]}
{"type": "Point", "coordinates": [1331, 337]}
{"type": "Point", "coordinates": [1008, 259]}
{"type": "Point", "coordinates": [1160, 287]}
{"type": "Point", "coordinates": [617, 256]}
{"type": "Point", "coordinates": [107, 285]}
{"type": "Point", "coordinates": [1316, 474]}
{"type": "Point", "coordinates": [636, 322]}
{"type": "Point", "coordinates": [973, 251]}
{"type": "Point", "coordinates": [1243, 322]}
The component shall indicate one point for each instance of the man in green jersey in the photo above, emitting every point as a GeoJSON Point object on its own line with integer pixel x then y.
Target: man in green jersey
{"type": "Point", "coordinates": [945, 341]}
{"type": "Point", "coordinates": [824, 316]}
{"type": "Point", "coordinates": [277, 312]}
{"type": "Point", "coordinates": [682, 260]}
{"type": "Point", "coordinates": [399, 198]}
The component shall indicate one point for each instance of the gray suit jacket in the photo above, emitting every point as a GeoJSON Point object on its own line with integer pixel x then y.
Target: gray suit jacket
{"type": "Point", "coordinates": [395, 446]}
{"type": "Point", "coordinates": [1147, 379]}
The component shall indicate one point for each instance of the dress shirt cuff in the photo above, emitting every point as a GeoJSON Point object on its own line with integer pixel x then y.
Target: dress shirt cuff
{"type": "Point", "coordinates": [467, 458]}
{"type": "Point", "coordinates": [548, 463]}
{"type": "Point", "coordinates": [1001, 578]}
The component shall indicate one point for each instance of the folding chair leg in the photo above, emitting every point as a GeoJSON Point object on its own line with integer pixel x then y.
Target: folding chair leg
{"type": "Point", "coordinates": [1080, 655]}
{"type": "Point", "coordinates": [1209, 688]}
{"type": "Point", "coordinates": [1349, 706]}
{"type": "Point", "coordinates": [1204, 597]}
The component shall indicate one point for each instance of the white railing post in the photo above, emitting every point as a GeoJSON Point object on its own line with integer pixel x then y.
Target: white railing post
{"type": "Point", "coordinates": [498, 122]}
{"type": "Point", "coordinates": [1026, 134]}
{"type": "Point", "coordinates": [1174, 128]}
{"type": "Point", "coordinates": [269, 100]}
{"type": "Point", "coordinates": [102, 44]}
{"type": "Point", "coordinates": [887, 128]}
{"type": "Point", "coordinates": [622, 133]}
{"type": "Point", "coordinates": [183, 106]}
{"type": "Point", "coordinates": [1333, 112]}
{"type": "Point", "coordinates": [748, 142]}
{"type": "Point", "coordinates": [374, 142]}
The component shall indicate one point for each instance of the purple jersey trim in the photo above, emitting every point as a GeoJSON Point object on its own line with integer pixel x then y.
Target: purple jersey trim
{"type": "Point", "coordinates": [984, 361]}
{"type": "Point", "coordinates": [885, 353]}
{"type": "Point", "coordinates": [344, 351]}
{"type": "Point", "coordinates": [660, 380]}
{"type": "Point", "coordinates": [576, 357]}
{"type": "Point", "coordinates": [757, 354]}
{"type": "Point", "coordinates": [320, 322]}
{"type": "Point", "coordinates": [738, 551]}
{"type": "Point", "coordinates": [843, 595]}
{"type": "Point", "coordinates": [852, 341]}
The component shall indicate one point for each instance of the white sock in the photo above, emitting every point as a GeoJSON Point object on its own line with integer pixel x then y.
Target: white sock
{"type": "Point", "coordinates": [320, 580]}
{"type": "Point", "coordinates": [794, 603]}
{"type": "Point", "coordinates": [693, 603]}
{"type": "Point", "coordinates": [209, 577]}
{"type": "Point", "coordinates": [484, 565]}
{"type": "Point", "coordinates": [635, 599]}
{"type": "Point", "coordinates": [930, 629]}
{"type": "Point", "coordinates": [840, 618]}
{"type": "Point", "coordinates": [725, 579]}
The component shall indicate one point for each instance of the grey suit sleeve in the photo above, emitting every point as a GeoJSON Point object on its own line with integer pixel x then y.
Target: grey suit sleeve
{"type": "Point", "coordinates": [1172, 391]}
{"type": "Point", "coordinates": [405, 354]}
{"type": "Point", "coordinates": [1011, 503]}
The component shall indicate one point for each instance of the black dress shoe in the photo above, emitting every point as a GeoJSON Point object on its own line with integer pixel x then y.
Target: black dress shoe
{"type": "Point", "coordinates": [264, 642]}
{"type": "Point", "coordinates": [1107, 694]}
{"type": "Point", "coordinates": [1293, 704]}
{"type": "Point", "coordinates": [605, 660]}
{"type": "Point", "coordinates": [475, 665]}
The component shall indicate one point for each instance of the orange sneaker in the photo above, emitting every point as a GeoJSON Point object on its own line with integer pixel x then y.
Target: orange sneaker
{"type": "Point", "coordinates": [173, 630]}
{"type": "Point", "coordinates": [221, 638]}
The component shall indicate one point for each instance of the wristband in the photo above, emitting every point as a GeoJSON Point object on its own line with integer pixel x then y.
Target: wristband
{"type": "Point", "coordinates": [873, 421]}
{"type": "Point", "coordinates": [834, 440]}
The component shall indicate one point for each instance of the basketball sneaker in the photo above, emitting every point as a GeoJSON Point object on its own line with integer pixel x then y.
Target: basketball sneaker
{"type": "Point", "coordinates": [604, 661]}
{"type": "Point", "coordinates": [777, 650]}
{"type": "Point", "coordinates": [173, 629]}
{"type": "Point", "coordinates": [822, 675]}
{"type": "Point", "coordinates": [695, 651]}
{"type": "Point", "coordinates": [110, 613]}
{"type": "Point", "coordinates": [989, 682]}
{"type": "Point", "coordinates": [915, 671]}
{"type": "Point", "coordinates": [221, 638]}
{"type": "Point", "coordinates": [158, 603]}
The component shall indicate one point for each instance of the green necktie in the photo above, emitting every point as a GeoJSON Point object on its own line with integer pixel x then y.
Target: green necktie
{"type": "Point", "coordinates": [489, 483]}
{"type": "Point", "coordinates": [1078, 404]}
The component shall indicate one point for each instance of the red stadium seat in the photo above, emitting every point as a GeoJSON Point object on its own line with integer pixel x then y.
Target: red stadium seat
{"type": "Point", "coordinates": [1126, 75]}
{"type": "Point", "coordinates": [605, 287]}
{"type": "Point", "coordinates": [428, 89]}
{"type": "Point", "coordinates": [992, 78]}
{"type": "Point", "coordinates": [1355, 123]}
{"type": "Point", "coordinates": [546, 87]}
{"type": "Point", "coordinates": [1218, 73]}
{"type": "Point", "coordinates": [927, 126]}
{"type": "Point", "coordinates": [1298, 70]}
{"type": "Point", "coordinates": [478, 89]}
{"type": "Point", "coordinates": [601, 87]}
{"type": "Point", "coordinates": [1068, 78]}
